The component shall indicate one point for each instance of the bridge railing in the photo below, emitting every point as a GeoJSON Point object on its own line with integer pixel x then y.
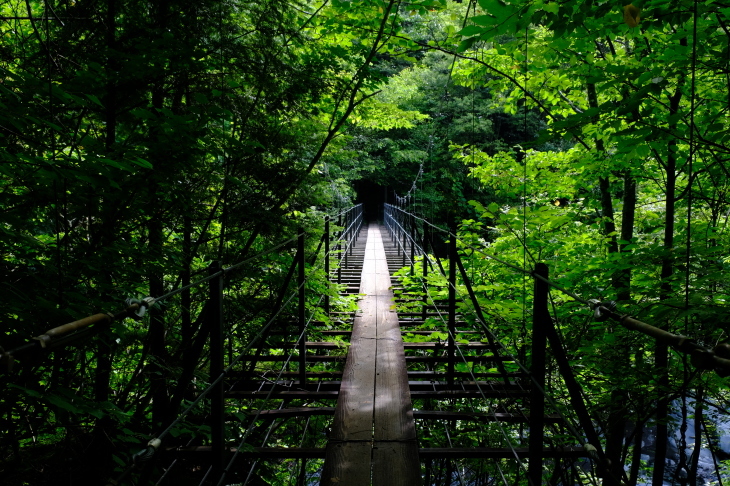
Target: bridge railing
{"type": "Point", "coordinates": [413, 237]}
{"type": "Point", "coordinates": [340, 233]}
{"type": "Point", "coordinates": [410, 237]}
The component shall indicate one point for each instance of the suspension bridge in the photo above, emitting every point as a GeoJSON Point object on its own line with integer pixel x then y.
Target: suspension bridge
{"type": "Point", "coordinates": [362, 403]}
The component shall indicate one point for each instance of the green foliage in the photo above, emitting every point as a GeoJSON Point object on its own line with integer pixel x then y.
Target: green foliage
{"type": "Point", "coordinates": [142, 143]}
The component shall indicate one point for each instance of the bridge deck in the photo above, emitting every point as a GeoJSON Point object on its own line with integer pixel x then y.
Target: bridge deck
{"type": "Point", "coordinates": [373, 436]}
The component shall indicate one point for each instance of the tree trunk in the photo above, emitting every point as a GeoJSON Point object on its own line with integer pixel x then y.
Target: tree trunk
{"type": "Point", "coordinates": [616, 423]}
{"type": "Point", "coordinates": [622, 278]}
{"type": "Point", "coordinates": [157, 326]}
{"type": "Point", "coordinates": [661, 359]}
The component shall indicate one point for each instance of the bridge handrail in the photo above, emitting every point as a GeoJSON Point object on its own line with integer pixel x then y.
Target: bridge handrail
{"type": "Point", "coordinates": [717, 358]}
{"type": "Point", "coordinates": [137, 308]}
{"type": "Point", "coordinates": [586, 441]}
{"type": "Point", "coordinates": [154, 444]}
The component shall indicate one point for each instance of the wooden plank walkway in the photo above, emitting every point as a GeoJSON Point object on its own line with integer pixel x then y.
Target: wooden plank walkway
{"type": "Point", "coordinates": [373, 435]}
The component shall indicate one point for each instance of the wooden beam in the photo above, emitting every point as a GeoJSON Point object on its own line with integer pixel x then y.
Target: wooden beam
{"type": "Point", "coordinates": [415, 394]}
{"type": "Point", "coordinates": [291, 412]}
{"type": "Point", "coordinates": [498, 453]}
{"type": "Point", "coordinates": [478, 416]}
{"type": "Point", "coordinates": [570, 452]}
{"type": "Point", "coordinates": [330, 385]}
{"type": "Point", "coordinates": [409, 359]}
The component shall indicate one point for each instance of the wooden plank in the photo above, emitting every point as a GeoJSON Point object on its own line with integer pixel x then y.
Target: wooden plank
{"type": "Point", "coordinates": [393, 408]}
{"type": "Point", "coordinates": [478, 416]}
{"type": "Point", "coordinates": [289, 394]}
{"type": "Point", "coordinates": [423, 333]}
{"type": "Point", "coordinates": [365, 450]}
{"type": "Point", "coordinates": [497, 453]}
{"type": "Point", "coordinates": [376, 348]}
{"type": "Point", "coordinates": [278, 357]}
{"type": "Point", "coordinates": [423, 375]}
{"type": "Point", "coordinates": [396, 463]}
{"type": "Point", "coordinates": [326, 386]}
{"type": "Point", "coordinates": [255, 452]}
{"type": "Point", "coordinates": [350, 462]}
{"type": "Point", "coordinates": [415, 359]}
{"type": "Point", "coordinates": [441, 359]}
{"type": "Point", "coordinates": [442, 345]}
{"type": "Point", "coordinates": [312, 375]}
{"type": "Point", "coordinates": [365, 406]}
{"type": "Point", "coordinates": [461, 385]}
{"type": "Point", "coordinates": [354, 412]}
{"type": "Point", "coordinates": [445, 394]}
{"type": "Point", "coordinates": [435, 375]}
{"type": "Point", "coordinates": [347, 463]}
{"type": "Point", "coordinates": [291, 412]}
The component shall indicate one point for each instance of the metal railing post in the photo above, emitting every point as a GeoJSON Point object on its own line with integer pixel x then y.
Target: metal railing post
{"type": "Point", "coordinates": [302, 311]}
{"type": "Point", "coordinates": [339, 248]}
{"type": "Point", "coordinates": [353, 232]}
{"type": "Point", "coordinates": [396, 223]}
{"type": "Point", "coordinates": [424, 306]}
{"type": "Point", "coordinates": [404, 236]}
{"type": "Point", "coordinates": [347, 234]}
{"type": "Point", "coordinates": [452, 303]}
{"type": "Point", "coordinates": [540, 319]}
{"type": "Point", "coordinates": [360, 213]}
{"type": "Point", "coordinates": [327, 262]}
{"type": "Point", "coordinates": [413, 242]}
{"type": "Point", "coordinates": [216, 368]}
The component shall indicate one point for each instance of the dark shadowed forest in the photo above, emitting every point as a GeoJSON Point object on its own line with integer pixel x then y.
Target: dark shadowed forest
{"type": "Point", "coordinates": [146, 145]}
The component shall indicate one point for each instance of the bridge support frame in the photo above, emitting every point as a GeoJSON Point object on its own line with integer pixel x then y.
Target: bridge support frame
{"type": "Point", "coordinates": [302, 311]}
{"type": "Point", "coordinates": [451, 344]}
{"type": "Point", "coordinates": [327, 255]}
{"type": "Point", "coordinates": [217, 412]}
{"type": "Point", "coordinates": [540, 323]}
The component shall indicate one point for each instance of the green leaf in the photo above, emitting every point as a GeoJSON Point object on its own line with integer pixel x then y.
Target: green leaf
{"type": "Point", "coordinates": [61, 403]}
{"type": "Point", "coordinates": [551, 7]}
{"type": "Point", "coordinates": [470, 30]}
{"type": "Point", "coordinates": [142, 162]}
{"type": "Point", "coordinates": [501, 10]}
{"type": "Point", "coordinates": [466, 44]}
{"type": "Point", "coordinates": [27, 391]}
{"type": "Point", "coordinates": [94, 99]}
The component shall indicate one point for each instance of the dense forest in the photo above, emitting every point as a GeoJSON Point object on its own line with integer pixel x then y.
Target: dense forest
{"type": "Point", "coordinates": [142, 141]}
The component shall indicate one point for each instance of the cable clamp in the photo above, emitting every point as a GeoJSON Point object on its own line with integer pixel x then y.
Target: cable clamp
{"type": "Point", "coordinates": [146, 454]}
{"type": "Point", "coordinates": [591, 451]}
{"type": "Point", "coordinates": [44, 339]}
{"type": "Point", "coordinates": [143, 304]}
{"type": "Point", "coordinates": [596, 306]}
